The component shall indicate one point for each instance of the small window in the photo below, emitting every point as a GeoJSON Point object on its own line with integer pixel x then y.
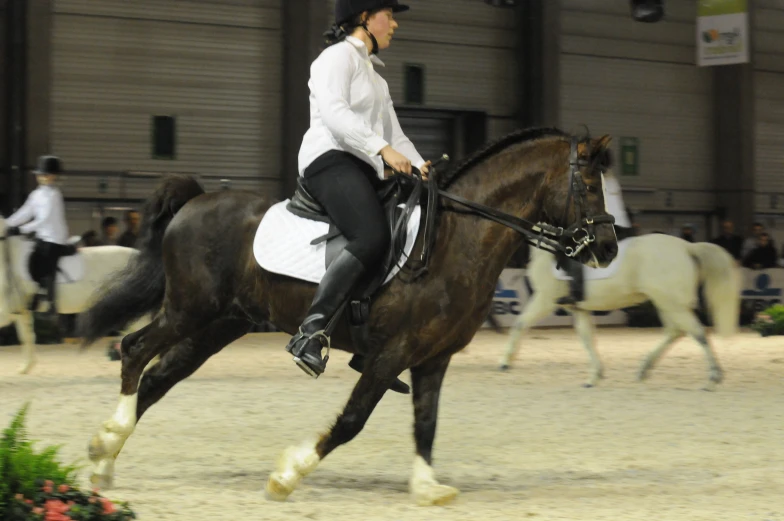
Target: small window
{"type": "Point", "coordinates": [415, 84]}
{"type": "Point", "coordinates": [164, 132]}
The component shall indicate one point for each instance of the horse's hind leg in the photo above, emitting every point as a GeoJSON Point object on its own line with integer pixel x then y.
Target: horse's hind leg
{"type": "Point", "coordinates": [426, 380]}
{"type": "Point", "coordinates": [673, 334]}
{"type": "Point", "coordinates": [534, 311]}
{"type": "Point", "coordinates": [182, 360]}
{"type": "Point", "coordinates": [691, 325]}
{"type": "Point", "coordinates": [678, 323]}
{"type": "Point", "coordinates": [297, 462]}
{"type": "Point", "coordinates": [138, 349]}
{"type": "Point", "coordinates": [587, 332]}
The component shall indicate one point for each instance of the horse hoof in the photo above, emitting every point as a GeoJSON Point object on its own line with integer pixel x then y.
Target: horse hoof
{"type": "Point", "coordinates": [588, 385]}
{"type": "Point", "coordinates": [101, 482]}
{"type": "Point", "coordinates": [276, 489]}
{"type": "Point", "coordinates": [26, 368]}
{"type": "Point", "coordinates": [96, 449]}
{"type": "Point", "coordinates": [504, 367]}
{"type": "Point", "coordinates": [436, 495]}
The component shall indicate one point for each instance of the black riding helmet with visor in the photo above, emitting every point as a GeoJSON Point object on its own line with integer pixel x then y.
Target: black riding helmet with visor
{"type": "Point", "coordinates": [347, 11]}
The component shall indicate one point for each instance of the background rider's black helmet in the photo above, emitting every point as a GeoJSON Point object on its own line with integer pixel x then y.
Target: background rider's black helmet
{"type": "Point", "coordinates": [48, 165]}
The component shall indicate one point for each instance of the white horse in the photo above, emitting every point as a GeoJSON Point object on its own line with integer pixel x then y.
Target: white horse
{"type": "Point", "coordinates": [85, 272]}
{"type": "Point", "coordinates": [661, 268]}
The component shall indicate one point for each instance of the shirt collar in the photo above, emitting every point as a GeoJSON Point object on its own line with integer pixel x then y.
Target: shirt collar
{"type": "Point", "coordinates": [360, 45]}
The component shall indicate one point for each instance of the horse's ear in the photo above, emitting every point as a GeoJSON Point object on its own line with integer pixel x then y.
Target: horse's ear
{"type": "Point", "coordinates": [603, 142]}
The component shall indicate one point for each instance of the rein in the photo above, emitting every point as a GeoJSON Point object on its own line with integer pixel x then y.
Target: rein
{"type": "Point", "coordinates": [541, 235]}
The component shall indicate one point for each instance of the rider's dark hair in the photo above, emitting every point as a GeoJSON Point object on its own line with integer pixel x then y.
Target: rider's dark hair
{"type": "Point", "coordinates": [337, 33]}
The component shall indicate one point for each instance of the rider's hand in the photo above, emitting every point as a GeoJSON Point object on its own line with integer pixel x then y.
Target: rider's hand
{"type": "Point", "coordinates": [12, 230]}
{"type": "Point", "coordinates": [425, 169]}
{"type": "Point", "coordinates": [396, 160]}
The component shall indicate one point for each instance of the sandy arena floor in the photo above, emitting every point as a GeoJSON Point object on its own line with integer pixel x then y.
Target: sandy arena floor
{"type": "Point", "coordinates": [531, 443]}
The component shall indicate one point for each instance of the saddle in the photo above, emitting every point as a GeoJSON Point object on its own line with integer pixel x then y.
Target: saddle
{"type": "Point", "coordinates": [399, 196]}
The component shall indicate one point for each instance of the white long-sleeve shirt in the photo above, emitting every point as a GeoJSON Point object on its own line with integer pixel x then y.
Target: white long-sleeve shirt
{"type": "Point", "coordinates": [351, 109]}
{"type": "Point", "coordinates": [45, 211]}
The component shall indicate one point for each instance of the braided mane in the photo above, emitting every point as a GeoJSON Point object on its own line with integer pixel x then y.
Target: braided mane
{"type": "Point", "coordinates": [518, 136]}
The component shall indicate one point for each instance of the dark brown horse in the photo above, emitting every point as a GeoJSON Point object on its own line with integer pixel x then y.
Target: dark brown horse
{"type": "Point", "coordinates": [197, 267]}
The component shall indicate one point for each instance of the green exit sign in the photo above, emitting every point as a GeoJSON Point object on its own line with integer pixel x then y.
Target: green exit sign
{"type": "Point", "coordinates": [630, 156]}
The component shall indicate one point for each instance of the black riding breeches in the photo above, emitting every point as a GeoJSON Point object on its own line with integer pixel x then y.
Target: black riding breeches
{"type": "Point", "coordinates": [345, 187]}
{"type": "Point", "coordinates": [43, 260]}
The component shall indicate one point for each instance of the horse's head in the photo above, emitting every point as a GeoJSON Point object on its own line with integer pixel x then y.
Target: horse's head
{"type": "Point", "coordinates": [573, 198]}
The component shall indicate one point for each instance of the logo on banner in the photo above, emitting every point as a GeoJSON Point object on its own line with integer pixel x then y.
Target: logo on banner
{"type": "Point", "coordinates": [762, 288]}
{"type": "Point", "coordinates": [762, 295]}
{"type": "Point", "coordinates": [722, 32]}
{"type": "Point", "coordinates": [510, 305]}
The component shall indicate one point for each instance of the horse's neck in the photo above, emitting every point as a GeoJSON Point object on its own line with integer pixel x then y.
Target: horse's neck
{"type": "Point", "coordinates": [482, 246]}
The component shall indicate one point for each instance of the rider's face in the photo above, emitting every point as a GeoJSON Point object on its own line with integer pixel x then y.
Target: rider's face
{"type": "Point", "coordinates": [44, 179]}
{"type": "Point", "coordinates": [382, 25]}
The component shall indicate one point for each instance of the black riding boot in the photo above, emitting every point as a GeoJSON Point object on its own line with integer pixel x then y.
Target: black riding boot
{"type": "Point", "coordinates": [341, 277]}
{"type": "Point", "coordinates": [50, 283]}
{"type": "Point", "coordinates": [576, 285]}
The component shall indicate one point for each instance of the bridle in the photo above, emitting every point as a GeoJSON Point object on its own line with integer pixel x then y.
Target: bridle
{"type": "Point", "coordinates": [568, 241]}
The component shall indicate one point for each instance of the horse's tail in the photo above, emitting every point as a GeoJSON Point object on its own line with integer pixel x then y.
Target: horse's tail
{"type": "Point", "coordinates": [722, 285]}
{"type": "Point", "coordinates": [139, 288]}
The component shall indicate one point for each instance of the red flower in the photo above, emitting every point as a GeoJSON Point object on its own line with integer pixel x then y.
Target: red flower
{"type": "Point", "coordinates": [63, 488]}
{"type": "Point", "coordinates": [38, 511]}
{"type": "Point", "coordinates": [108, 506]}
{"type": "Point", "coordinates": [48, 489]}
{"type": "Point", "coordinates": [55, 505]}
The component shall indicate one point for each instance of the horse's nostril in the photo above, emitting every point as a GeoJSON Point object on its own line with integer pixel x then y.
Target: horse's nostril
{"type": "Point", "coordinates": [611, 248]}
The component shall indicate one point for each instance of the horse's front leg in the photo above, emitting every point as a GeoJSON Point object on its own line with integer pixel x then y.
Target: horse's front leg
{"type": "Point", "coordinates": [297, 462]}
{"type": "Point", "coordinates": [426, 381]}
{"type": "Point", "coordinates": [24, 329]}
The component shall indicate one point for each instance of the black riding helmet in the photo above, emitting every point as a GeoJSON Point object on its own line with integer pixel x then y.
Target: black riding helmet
{"type": "Point", "coordinates": [48, 165]}
{"type": "Point", "coordinates": [347, 10]}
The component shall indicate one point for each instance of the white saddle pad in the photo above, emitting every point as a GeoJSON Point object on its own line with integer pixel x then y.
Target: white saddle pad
{"type": "Point", "coordinates": [73, 265]}
{"type": "Point", "coordinates": [282, 244]}
{"type": "Point", "coordinates": [598, 273]}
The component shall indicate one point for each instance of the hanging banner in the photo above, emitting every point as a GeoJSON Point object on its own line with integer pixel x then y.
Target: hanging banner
{"type": "Point", "coordinates": [722, 32]}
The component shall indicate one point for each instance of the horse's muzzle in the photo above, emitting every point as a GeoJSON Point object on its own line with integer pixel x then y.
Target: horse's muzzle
{"type": "Point", "coordinates": [606, 250]}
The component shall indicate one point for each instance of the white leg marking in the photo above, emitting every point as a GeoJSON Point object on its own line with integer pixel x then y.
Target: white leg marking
{"type": "Point", "coordinates": [107, 444]}
{"type": "Point", "coordinates": [294, 464]}
{"type": "Point", "coordinates": [424, 487]}
{"type": "Point", "coordinates": [24, 327]}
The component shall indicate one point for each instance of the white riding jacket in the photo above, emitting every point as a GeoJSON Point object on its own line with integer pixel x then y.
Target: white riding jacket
{"type": "Point", "coordinates": [351, 109]}
{"type": "Point", "coordinates": [45, 211]}
{"type": "Point", "coordinates": [613, 200]}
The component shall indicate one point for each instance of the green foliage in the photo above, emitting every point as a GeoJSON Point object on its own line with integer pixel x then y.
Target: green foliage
{"type": "Point", "coordinates": [35, 486]}
{"type": "Point", "coordinates": [770, 321]}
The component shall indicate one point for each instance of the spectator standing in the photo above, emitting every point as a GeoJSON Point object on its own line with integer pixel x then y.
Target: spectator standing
{"type": "Point", "coordinates": [729, 240]}
{"type": "Point", "coordinates": [131, 233]}
{"type": "Point", "coordinates": [763, 256]}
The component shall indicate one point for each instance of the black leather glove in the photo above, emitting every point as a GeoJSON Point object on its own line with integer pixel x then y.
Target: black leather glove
{"type": "Point", "coordinates": [30, 235]}
{"type": "Point", "coordinates": [12, 230]}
